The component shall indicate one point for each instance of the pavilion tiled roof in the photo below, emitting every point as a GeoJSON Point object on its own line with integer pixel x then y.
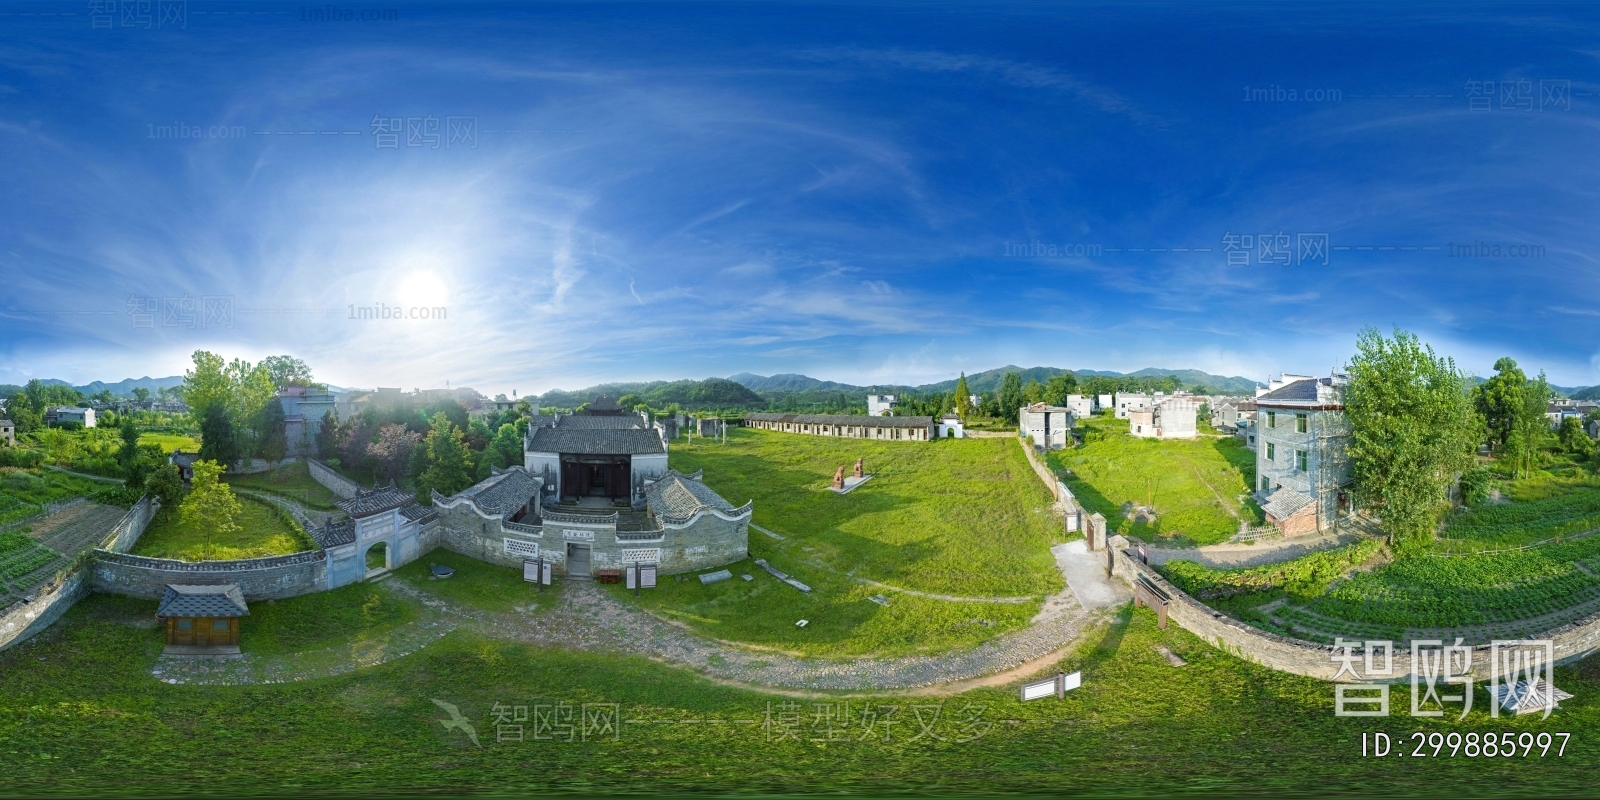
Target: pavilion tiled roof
{"type": "Point", "coordinates": [367, 503]}
{"type": "Point", "coordinates": [675, 497]}
{"type": "Point", "coordinates": [202, 601]}
{"type": "Point", "coordinates": [595, 441]}
{"type": "Point", "coordinates": [502, 493]}
{"type": "Point", "coordinates": [333, 534]}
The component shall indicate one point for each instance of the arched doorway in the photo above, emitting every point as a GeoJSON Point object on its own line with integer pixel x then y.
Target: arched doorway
{"type": "Point", "coordinates": [377, 559]}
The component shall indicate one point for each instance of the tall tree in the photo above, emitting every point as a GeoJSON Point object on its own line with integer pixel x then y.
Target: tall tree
{"type": "Point", "coordinates": [1010, 396]}
{"type": "Point", "coordinates": [287, 371]}
{"type": "Point", "coordinates": [963, 397]}
{"type": "Point", "coordinates": [128, 455]}
{"type": "Point", "coordinates": [166, 485]}
{"type": "Point", "coordinates": [217, 440]}
{"type": "Point", "coordinates": [507, 446]}
{"type": "Point", "coordinates": [1060, 388]}
{"type": "Point", "coordinates": [141, 395]}
{"type": "Point", "coordinates": [206, 385]}
{"type": "Point", "coordinates": [448, 469]}
{"type": "Point", "coordinates": [210, 504]}
{"type": "Point", "coordinates": [1500, 399]}
{"type": "Point", "coordinates": [1412, 431]}
{"type": "Point", "coordinates": [1529, 427]}
{"type": "Point", "coordinates": [392, 450]}
{"type": "Point", "coordinates": [1574, 439]}
{"type": "Point", "coordinates": [272, 441]}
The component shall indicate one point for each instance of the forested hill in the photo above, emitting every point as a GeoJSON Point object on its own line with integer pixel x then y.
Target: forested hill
{"type": "Point", "coordinates": [989, 381]}
{"type": "Point", "coordinates": [710, 394]}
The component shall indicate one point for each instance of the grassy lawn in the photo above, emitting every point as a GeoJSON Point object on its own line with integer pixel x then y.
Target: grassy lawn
{"type": "Point", "coordinates": [840, 619]}
{"type": "Point", "coordinates": [264, 531]}
{"type": "Point", "coordinates": [963, 517]}
{"type": "Point", "coordinates": [966, 518]}
{"type": "Point", "coordinates": [349, 614]}
{"type": "Point", "coordinates": [80, 714]}
{"type": "Point", "coordinates": [1194, 485]}
{"type": "Point", "coordinates": [489, 587]}
{"type": "Point", "coordinates": [171, 441]}
{"type": "Point", "coordinates": [292, 480]}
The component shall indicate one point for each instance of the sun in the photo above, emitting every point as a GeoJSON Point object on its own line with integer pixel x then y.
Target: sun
{"type": "Point", "coordinates": [422, 288]}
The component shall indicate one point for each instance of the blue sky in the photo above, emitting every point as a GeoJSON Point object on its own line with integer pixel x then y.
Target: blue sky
{"type": "Point", "coordinates": [861, 193]}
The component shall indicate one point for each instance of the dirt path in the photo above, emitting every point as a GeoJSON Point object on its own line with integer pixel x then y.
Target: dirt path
{"type": "Point", "coordinates": [1224, 556]}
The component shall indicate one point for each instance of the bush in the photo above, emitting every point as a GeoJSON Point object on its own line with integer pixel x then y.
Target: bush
{"type": "Point", "coordinates": [1306, 576]}
{"type": "Point", "coordinates": [1477, 484]}
{"type": "Point", "coordinates": [19, 457]}
{"type": "Point", "coordinates": [117, 496]}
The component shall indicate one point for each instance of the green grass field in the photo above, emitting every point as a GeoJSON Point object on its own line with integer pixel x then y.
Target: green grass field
{"type": "Point", "coordinates": [292, 480]}
{"type": "Point", "coordinates": [171, 441]}
{"type": "Point", "coordinates": [965, 518]}
{"type": "Point", "coordinates": [264, 531]}
{"type": "Point", "coordinates": [80, 715]}
{"type": "Point", "coordinates": [347, 615]}
{"type": "Point", "coordinates": [1194, 485]}
{"type": "Point", "coordinates": [489, 587]}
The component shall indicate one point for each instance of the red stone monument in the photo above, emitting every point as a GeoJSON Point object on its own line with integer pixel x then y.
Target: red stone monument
{"type": "Point", "coordinates": [838, 479]}
{"type": "Point", "coordinates": [858, 468]}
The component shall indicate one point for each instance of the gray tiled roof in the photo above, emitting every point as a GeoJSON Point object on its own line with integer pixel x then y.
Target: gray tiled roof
{"type": "Point", "coordinates": [675, 497]}
{"type": "Point", "coordinates": [202, 601]}
{"type": "Point", "coordinates": [1299, 390]}
{"type": "Point", "coordinates": [595, 441]}
{"type": "Point", "coordinates": [604, 403]}
{"type": "Point", "coordinates": [376, 501]}
{"type": "Point", "coordinates": [583, 422]}
{"type": "Point", "coordinates": [333, 534]}
{"type": "Point", "coordinates": [1285, 502]}
{"type": "Point", "coordinates": [503, 493]}
{"type": "Point", "coordinates": [419, 513]}
{"type": "Point", "coordinates": [183, 459]}
{"type": "Point", "coordinates": [860, 421]}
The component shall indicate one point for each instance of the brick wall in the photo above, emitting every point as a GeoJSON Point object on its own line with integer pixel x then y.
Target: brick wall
{"type": "Point", "coordinates": [274, 577]}
{"type": "Point", "coordinates": [336, 483]}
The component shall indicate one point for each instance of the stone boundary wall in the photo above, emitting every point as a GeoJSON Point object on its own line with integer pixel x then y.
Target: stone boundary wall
{"type": "Point", "coordinates": [1571, 642]}
{"type": "Point", "coordinates": [336, 483]}
{"type": "Point", "coordinates": [29, 618]}
{"type": "Point", "coordinates": [274, 577]}
{"type": "Point", "coordinates": [1041, 469]}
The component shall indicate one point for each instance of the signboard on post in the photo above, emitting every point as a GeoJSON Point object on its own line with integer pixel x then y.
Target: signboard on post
{"type": "Point", "coordinates": [647, 576]}
{"type": "Point", "coordinates": [530, 570]}
{"type": "Point", "coordinates": [1058, 686]}
{"type": "Point", "coordinates": [633, 577]}
{"type": "Point", "coordinates": [545, 570]}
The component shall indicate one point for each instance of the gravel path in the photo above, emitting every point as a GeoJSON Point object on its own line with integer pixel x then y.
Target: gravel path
{"type": "Point", "coordinates": [307, 518]}
{"type": "Point", "coordinates": [588, 618]}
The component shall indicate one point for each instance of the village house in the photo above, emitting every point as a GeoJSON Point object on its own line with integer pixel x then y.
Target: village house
{"type": "Point", "coordinates": [1130, 401]}
{"type": "Point", "coordinates": [202, 619]}
{"type": "Point", "coordinates": [8, 432]}
{"type": "Point", "coordinates": [915, 429]}
{"type": "Point", "coordinates": [303, 410]}
{"type": "Point", "coordinates": [62, 415]}
{"type": "Point", "coordinates": [1050, 427]}
{"type": "Point", "coordinates": [881, 405]}
{"type": "Point", "coordinates": [1171, 418]}
{"type": "Point", "coordinates": [603, 454]}
{"type": "Point", "coordinates": [1302, 460]}
{"type": "Point", "coordinates": [1083, 406]}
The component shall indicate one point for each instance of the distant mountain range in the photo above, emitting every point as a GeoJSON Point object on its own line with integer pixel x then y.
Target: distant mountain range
{"type": "Point", "coordinates": [989, 381]}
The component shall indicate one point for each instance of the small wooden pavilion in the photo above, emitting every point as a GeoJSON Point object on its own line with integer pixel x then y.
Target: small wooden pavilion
{"type": "Point", "coordinates": [202, 616]}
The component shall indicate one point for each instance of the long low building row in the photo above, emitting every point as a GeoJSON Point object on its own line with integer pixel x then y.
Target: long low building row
{"type": "Point", "coordinates": [851, 426]}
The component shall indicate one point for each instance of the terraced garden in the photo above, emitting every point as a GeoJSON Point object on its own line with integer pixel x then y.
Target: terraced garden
{"type": "Point", "coordinates": [1497, 572]}
{"type": "Point", "coordinates": [31, 556]}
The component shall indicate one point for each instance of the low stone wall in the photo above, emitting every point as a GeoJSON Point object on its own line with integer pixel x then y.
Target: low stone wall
{"type": "Point", "coordinates": [274, 577]}
{"type": "Point", "coordinates": [336, 483]}
{"type": "Point", "coordinates": [1571, 642]}
{"type": "Point", "coordinates": [27, 619]}
{"type": "Point", "coordinates": [1040, 468]}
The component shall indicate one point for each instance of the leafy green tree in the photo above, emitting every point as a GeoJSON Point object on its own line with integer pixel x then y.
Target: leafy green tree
{"type": "Point", "coordinates": [963, 397]}
{"type": "Point", "coordinates": [1033, 392]}
{"type": "Point", "coordinates": [133, 466]}
{"type": "Point", "coordinates": [210, 504]}
{"type": "Point", "coordinates": [141, 395]}
{"type": "Point", "coordinates": [1574, 439]}
{"type": "Point", "coordinates": [217, 441]}
{"type": "Point", "coordinates": [507, 446]}
{"type": "Point", "coordinates": [1060, 388]}
{"type": "Point", "coordinates": [328, 436]}
{"type": "Point", "coordinates": [448, 469]}
{"type": "Point", "coordinates": [1010, 396]}
{"type": "Point", "coordinates": [1412, 431]}
{"type": "Point", "coordinates": [392, 451]}
{"type": "Point", "coordinates": [206, 385]}
{"type": "Point", "coordinates": [287, 371]}
{"type": "Point", "coordinates": [103, 396]}
{"type": "Point", "coordinates": [272, 441]}
{"type": "Point", "coordinates": [166, 485]}
{"type": "Point", "coordinates": [1529, 428]}
{"type": "Point", "coordinates": [1500, 399]}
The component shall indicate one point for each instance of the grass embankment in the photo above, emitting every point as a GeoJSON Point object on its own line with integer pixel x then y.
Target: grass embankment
{"type": "Point", "coordinates": [1198, 488]}
{"type": "Point", "coordinates": [80, 714]}
{"type": "Point", "coordinates": [25, 492]}
{"type": "Point", "coordinates": [292, 480]}
{"type": "Point", "coordinates": [264, 530]}
{"type": "Point", "coordinates": [966, 518]}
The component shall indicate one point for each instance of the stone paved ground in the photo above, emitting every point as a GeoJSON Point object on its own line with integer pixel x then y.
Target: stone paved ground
{"type": "Point", "coordinates": [588, 618]}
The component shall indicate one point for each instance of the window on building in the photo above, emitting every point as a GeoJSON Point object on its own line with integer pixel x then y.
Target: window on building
{"type": "Point", "coordinates": [1263, 483]}
{"type": "Point", "coordinates": [1272, 419]}
{"type": "Point", "coordinates": [1272, 452]}
{"type": "Point", "coordinates": [1300, 423]}
{"type": "Point", "coordinates": [219, 624]}
{"type": "Point", "coordinates": [1300, 460]}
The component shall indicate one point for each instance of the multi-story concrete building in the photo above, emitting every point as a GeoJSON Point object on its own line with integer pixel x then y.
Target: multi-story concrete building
{"type": "Point", "coordinates": [880, 405]}
{"type": "Point", "coordinates": [1131, 401]}
{"type": "Point", "coordinates": [1171, 418]}
{"type": "Point", "coordinates": [303, 410]}
{"type": "Point", "coordinates": [61, 415]}
{"type": "Point", "coordinates": [1302, 453]}
{"type": "Point", "coordinates": [1083, 405]}
{"type": "Point", "coordinates": [1049, 426]}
